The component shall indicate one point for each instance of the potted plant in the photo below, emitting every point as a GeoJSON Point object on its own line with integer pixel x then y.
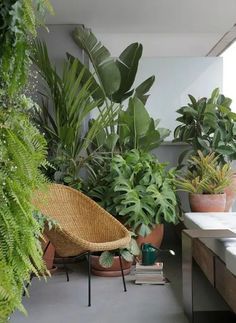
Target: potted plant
{"type": "Point", "coordinates": [107, 263]}
{"type": "Point", "coordinates": [139, 191]}
{"type": "Point", "coordinates": [209, 125]}
{"type": "Point", "coordinates": [205, 180]}
{"type": "Point", "coordinates": [48, 248]}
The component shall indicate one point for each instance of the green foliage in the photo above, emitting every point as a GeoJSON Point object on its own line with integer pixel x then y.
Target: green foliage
{"type": "Point", "coordinates": [137, 189]}
{"type": "Point", "coordinates": [22, 152]}
{"type": "Point", "coordinates": [112, 82]}
{"type": "Point", "coordinates": [106, 258]}
{"type": "Point", "coordinates": [44, 220]}
{"type": "Point", "coordinates": [205, 175]}
{"type": "Point", "coordinates": [208, 125]}
{"type": "Point", "coordinates": [18, 22]}
{"type": "Point", "coordinates": [65, 108]}
{"type": "Point", "coordinates": [115, 76]}
{"type": "Point", "coordinates": [136, 129]}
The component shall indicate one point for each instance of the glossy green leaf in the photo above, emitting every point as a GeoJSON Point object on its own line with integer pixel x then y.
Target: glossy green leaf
{"type": "Point", "coordinates": [128, 64]}
{"type": "Point", "coordinates": [104, 66]}
{"type": "Point", "coordinates": [142, 90]}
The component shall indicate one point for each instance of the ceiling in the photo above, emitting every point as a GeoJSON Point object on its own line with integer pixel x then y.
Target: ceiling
{"type": "Point", "coordinates": [149, 16]}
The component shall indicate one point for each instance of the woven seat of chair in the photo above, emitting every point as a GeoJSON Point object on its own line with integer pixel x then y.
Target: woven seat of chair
{"type": "Point", "coordinates": [84, 225]}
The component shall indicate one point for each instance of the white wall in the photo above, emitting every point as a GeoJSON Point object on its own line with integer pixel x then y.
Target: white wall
{"type": "Point", "coordinates": [161, 44]}
{"type": "Point", "coordinates": [176, 77]}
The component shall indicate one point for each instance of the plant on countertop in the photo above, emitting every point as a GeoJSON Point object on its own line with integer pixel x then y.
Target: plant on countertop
{"type": "Point", "coordinates": [22, 152]}
{"type": "Point", "coordinates": [205, 175]}
{"type": "Point", "coordinates": [209, 125]}
{"type": "Point", "coordinates": [137, 189]}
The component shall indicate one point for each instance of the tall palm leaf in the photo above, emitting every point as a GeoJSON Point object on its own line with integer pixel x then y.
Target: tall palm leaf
{"type": "Point", "coordinates": [63, 115]}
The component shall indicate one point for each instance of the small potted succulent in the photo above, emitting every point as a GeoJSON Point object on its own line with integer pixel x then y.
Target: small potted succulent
{"type": "Point", "coordinates": [205, 180]}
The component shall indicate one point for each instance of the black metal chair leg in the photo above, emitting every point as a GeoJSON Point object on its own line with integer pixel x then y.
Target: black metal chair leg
{"type": "Point", "coordinates": [122, 273]}
{"type": "Point", "coordinates": [67, 273]}
{"type": "Point", "coordinates": [89, 279]}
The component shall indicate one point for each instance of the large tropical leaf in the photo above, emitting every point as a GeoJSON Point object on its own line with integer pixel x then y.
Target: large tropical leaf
{"type": "Point", "coordinates": [97, 92]}
{"type": "Point", "coordinates": [128, 64]}
{"type": "Point", "coordinates": [106, 70]}
{"type": "Point", "coordinates": [68, 101]}
{"type": "Point", "coordinates": [143, 88]}
{"type": "Point", "coordinates": [140, 119]}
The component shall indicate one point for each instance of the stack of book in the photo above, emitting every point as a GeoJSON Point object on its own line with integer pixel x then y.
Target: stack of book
{"type": "Point", "coordinates": [150, 274]}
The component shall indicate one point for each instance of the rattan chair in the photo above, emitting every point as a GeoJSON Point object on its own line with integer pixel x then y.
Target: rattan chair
{"type": "Point", "coordinates": [84, 226]}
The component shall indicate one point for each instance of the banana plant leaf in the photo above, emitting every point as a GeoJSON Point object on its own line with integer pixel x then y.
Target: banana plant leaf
{"type": "Point", "coordinates": [104, 66]}
{"type": "Point", "coordinates": [143, 88]}
{"type": "Point", "coordinates": [128, 64]}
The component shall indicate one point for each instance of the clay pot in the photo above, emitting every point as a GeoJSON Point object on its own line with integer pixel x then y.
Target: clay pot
{"type": "Point", "coordinates": [113, 271]}
{"type": "Point", "coordinates": [230, 194]}
{"type": "Point", "coordinates": [49, 255]}
{"type": "Point", "coordinates": [207, 202]}
{"type": "Point", "coordinates": [155, 237]}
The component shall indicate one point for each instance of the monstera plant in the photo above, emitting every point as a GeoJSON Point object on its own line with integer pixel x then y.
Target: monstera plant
{"type": "Point", "coordinates": [209, 125]}
{"type": "Point", "coordinates": [137, 189]}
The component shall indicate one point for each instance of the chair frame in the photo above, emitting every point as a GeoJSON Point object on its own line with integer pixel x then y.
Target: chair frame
{"type": "Point", "coordinates": [88, 256]}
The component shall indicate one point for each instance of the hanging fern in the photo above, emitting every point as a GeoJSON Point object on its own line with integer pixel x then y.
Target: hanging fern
{"type": "Point", "coordinates": [22, 151]}
{"type": "Point", "coordinates": [18, 22]}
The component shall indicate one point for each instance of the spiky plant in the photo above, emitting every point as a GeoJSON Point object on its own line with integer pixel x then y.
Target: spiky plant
{"type": "Point", "coordinates": [205, 175]}
{"type": "Point", "coordinates": [62, 116]}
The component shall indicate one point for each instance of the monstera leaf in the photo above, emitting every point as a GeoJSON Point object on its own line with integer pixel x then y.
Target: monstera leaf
{"type": "Point", "coordinates": [165, 201]}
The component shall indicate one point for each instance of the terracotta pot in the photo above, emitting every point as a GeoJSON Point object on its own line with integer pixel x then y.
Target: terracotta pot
{"type": "Point", "coordinates": [155, 237]}
{"type": "Point", "coordinates": [113, 271]}
{"type": "Point", "coordinates": [207, 202]}
{"type": "Point", "coordinates": [230, 194]}
{"type": "Point", "coordinates": [49, 254]}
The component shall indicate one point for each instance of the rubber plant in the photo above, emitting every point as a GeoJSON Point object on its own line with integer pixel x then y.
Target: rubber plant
{"type": "Point", "coordinates": [22, 153]}
{"type": "Point", "coordinates": [66, 106]}
{"type": "Point", "coordinates": [209, 125]}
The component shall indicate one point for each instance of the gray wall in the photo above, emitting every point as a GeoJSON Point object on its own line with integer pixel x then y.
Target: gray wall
{"type": "Point", "coordinates": [59, 41]}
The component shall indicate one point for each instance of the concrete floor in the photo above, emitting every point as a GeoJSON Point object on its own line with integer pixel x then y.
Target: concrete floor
{"type": "Point", "coordinates": [59, 301]}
